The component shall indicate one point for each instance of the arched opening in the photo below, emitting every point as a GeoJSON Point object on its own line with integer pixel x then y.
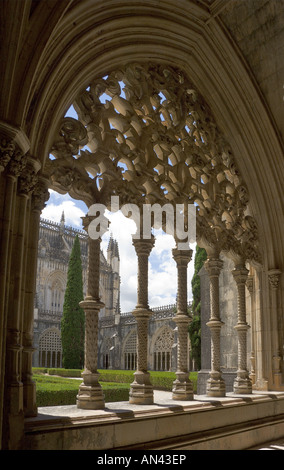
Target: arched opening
{"type": "Point", "coordinates": [129, 351]}
{"type": "Point", "coordinates": [50, 348]}
{"type": "Point", "coordinates": [145, 142]}
{"type": "Point", "coordinates": [57, 52]}
{"type": "Point", "coordinates": [162, 345]}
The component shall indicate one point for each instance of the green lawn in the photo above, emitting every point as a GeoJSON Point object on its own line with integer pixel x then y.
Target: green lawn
{"type": "Point", "coordinates": [55, 390]}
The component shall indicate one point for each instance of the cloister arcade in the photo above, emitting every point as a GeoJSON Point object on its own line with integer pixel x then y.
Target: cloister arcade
{"type": "Point", "coordinates": [168, 114]}
{"type": "Point", "coordinates": [154, 143]}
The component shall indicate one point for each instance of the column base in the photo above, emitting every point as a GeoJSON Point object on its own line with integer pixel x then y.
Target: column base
{"type": "Point", "coordinates": [261, 384]}
{"type": "Point", "coordinates": [243, 385]}
{"type": "Point", "coordinates": [216, 386]}
{"type": "Point", "coordinates": [141, 390]}
{"type": "Point", "coordinates": [90, 398]}
{"type": "Point", "coordinates": [182, 387]}
{"type": "Point", "coordinates": [90, 395]}
{"type": "Point", "coordinates": [277, 380]}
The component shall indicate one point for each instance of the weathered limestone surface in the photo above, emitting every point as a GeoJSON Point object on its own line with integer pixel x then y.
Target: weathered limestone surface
{"type": "Point", "coordinates": [200, 121]}
{"type": "Point", "coordinates": [228, 423]}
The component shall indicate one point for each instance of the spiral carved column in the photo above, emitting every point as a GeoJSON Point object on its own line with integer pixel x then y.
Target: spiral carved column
{"type": "Point", "coordinates": [215, 383]}
{"type": "Point", "coordinates": [242, 383]}
{"type": "Point", "coordinates": [141, 390]}
{"type": "Point", "coordinates": [182, 386]}
{"type": "Point", "coordinates": [90, 395]}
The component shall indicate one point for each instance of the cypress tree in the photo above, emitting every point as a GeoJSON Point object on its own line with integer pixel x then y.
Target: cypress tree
{"type": "Point", "coordinates": [195, 325]}
{"type": "Point", "coordinates": [73, 318]}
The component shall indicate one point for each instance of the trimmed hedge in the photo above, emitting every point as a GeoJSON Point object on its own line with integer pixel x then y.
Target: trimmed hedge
{"type": "Point", "coordinates": [66, 372]}
{"type": "Point", "coordinates": [57, 391]}
{"type": "Point", "coordinates": [160, 380]}
{"type": "Point", "coordinates": [54, 387]}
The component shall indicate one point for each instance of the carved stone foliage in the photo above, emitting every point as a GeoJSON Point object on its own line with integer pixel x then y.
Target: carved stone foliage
{"type": "Point", "coordinates": [40, 196]}
{"type": "Point", "coordinates": [7, 149]}
{"type": "Point", "coordinates": [145, 134]}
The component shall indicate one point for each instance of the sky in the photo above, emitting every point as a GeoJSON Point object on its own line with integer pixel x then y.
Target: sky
{"type": "Point", "coordinates": [162, 267]}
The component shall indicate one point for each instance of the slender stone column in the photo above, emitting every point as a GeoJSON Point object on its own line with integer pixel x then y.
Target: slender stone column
{"type": "Point", "coordinates": [141, 390]}
{"type": "Point", "coordinates": [182, 386]}
{"type": "Point", "coordinates": [13, 147]}
{"type": "Point", "coordinates": [242, 383]}
{"type": "Point", "coordinates": [90, 395]}
{"type": "Point", "coordinates": [250, 287]}
{"type": "Point", "coordinates": [215, 383]}
{"type": "Point", "coordinates": [274, 277]}
{"type": "Point", "coordinates": [40, 195]}
{"type": "Point", "coordinates": [17, 272]}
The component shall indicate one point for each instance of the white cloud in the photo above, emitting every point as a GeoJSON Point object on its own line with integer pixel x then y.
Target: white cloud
{"type": "Point", "coordinates": [59, 203]}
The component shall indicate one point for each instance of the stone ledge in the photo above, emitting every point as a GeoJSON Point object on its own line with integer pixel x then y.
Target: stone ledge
{"type": "Point", "coordinates": [236, 422]}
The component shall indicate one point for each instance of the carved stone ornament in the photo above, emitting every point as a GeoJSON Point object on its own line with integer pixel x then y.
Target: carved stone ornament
{"type": "Point", "coordinates": [274, 278]}
{"type": "Point", "coordinates": [40, 196]}
{"type": "Point", "coordinates": [17, 164]}
{"type": "Point", "coordinates": [7, 149]}
{"type": "Point", "coordinates": [145, 134]}
{"type": "Point", "coordinates": [249, 284]}
{"type": "Point", "coordinates": [29, 178]}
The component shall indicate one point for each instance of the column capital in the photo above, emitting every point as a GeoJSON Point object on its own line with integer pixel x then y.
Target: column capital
{"type": "Point", "coordinates": [28, 179]}
{"type": "Point", "coordinates": [89, 304]}
{"type": "Point", "coordinates": [40, 194]}
{"type": "Point", "coordinates": [249, 284]}
{"type": "Point", "coordinates": [274, 278]}
{"type": "Point", "coordinates": [86, 220]}
{"type": "Point", "coordinates": [240, 274]}
{"type": "Point", "coordinates": [213, 266]}
{"type": "Point", "coordinates": [143, 246]}
{"type": "Point", "coordinates": [14, 144]}
{"type": "Point", "coordinates": [182, 257]}
{"type": "Point", "coordinates": [181, 319]}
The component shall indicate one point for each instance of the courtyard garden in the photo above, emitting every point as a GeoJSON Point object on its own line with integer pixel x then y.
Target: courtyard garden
{"type": "Point", "coordinates": [55, 387]}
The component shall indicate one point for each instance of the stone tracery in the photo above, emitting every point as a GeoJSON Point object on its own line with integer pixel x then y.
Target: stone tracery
{"type": "Point", "coordinates": [145, 134]}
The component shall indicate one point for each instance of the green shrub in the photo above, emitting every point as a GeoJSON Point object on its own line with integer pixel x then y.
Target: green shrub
{"type": "Point", "coordinates": [65, 372]}
{"type": "Point", "coordinates": [162, 380]}
{"type": "Point", "coordinates": [57, 391]}
{"type": "Point", "coordinates": [40, 370]}
{"type": "Point", "coordinates": [54, 387]}
{"type": "Point", "coordinates": [117, 376]}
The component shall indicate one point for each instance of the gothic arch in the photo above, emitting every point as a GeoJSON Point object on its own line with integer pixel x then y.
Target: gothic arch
{"type": "Point", "coordinates": [161, 348]}
{"type": "Point", "coordinates": [107, 346]}
{"type": "Point", "coordinates": [129, 350]}
{"type": "Point", "coordinates": [51, 50]}
{"type": "Point", "coordinates": [50, 348]}
{"type": "Point", "coordinates": [54, 288]}
{"type": "Point", "coordinates": [189, 38]}
{"type": "Point", "coordinates": [187, 45]}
